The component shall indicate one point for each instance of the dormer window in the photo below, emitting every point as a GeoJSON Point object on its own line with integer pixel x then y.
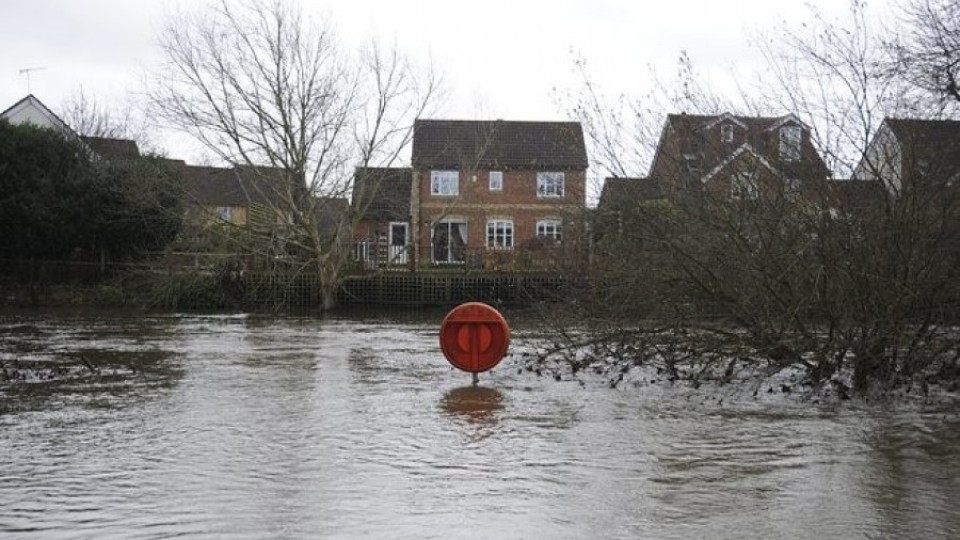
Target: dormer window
{"type": "Point", "coordinates": [790, 143]}
{"type": "Point", "coordinates": [726, 133]}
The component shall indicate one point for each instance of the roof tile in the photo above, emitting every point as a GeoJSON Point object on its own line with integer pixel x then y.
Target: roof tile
{"type": "Point", "coordinates": [498, 144]}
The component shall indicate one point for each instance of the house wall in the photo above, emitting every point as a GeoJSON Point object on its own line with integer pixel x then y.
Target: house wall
{"type": "Point", "coordinates": [669, 166]}
{"type": "Point", "coordinates": [28, 113]}
{"type": "Point", "coordinates": [770, 184]}
{"type": "Point", "coordinates": [721, 184]}
{"type": "Point", "coordinates": [371, 244]}
{"type": "Point", "coordinates": [882, 160]}
{"type": "Point", "coordinates": [210, 216]}
{"type": "Point", "coordinates": [31, 116]}
{"type": "Point", "coordinates": [685, 157]}
{"type": "Point", "coordinates": [475, 203]}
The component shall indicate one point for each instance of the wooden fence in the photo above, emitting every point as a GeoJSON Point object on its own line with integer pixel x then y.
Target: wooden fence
{"type": "Point", "coordinates": [258, 287]}
{"type": "Point", "coordinates": [427, 288]}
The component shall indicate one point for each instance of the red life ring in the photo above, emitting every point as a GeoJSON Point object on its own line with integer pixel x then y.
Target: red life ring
{"type": "Point", "coordinates": [474, 337]}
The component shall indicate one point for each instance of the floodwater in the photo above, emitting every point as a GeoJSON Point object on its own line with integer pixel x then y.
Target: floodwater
{"type": "Point", "coordinates": [285, 427]}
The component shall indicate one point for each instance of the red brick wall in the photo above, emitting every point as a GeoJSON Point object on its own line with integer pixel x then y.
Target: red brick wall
{"type": "Point", "coordinates": [671, 168]}
{"type": "Point", "coordinates": [518, 201]}
{"type": "Point", "coordinates": [519, 187]}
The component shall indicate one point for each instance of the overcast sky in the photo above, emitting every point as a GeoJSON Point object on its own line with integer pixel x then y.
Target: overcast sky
{"type": "Point", "coordinates": [500, 58]}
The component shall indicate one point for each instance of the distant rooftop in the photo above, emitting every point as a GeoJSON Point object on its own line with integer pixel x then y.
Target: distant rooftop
{"type": "Point", "coordinates": [112, 148]}
{"type": "Point", "coordinates": [498, 144]}
{"type": "Point", "coordinates": [383, 194]}
{"type": "Point", "coordinates": [620, 191]}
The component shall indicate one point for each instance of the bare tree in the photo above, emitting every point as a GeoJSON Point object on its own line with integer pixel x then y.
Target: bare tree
{"type": "Point", "coordinates": [612, 126]}
{"type": "Point", "coordinates": [91, 117]}
{"type": "Point", "coordinates": [832, 284]}
{"type": "Point", "coordinates": [263, 87]}
{"type": "Point", "coordinates": [621, 131]}
{"type": "Point", "coordinates": [927, 55]}
{"type": "Point", "coordinates": [880, 307]}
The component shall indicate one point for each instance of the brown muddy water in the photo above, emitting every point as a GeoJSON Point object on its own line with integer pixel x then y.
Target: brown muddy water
{"type": "Point", "coordinates": [286, 427]}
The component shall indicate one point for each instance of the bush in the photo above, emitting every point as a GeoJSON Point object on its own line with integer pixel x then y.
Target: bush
{"type": "Point", "coordinates": [187, 291]}
{"type": "Point", "coordinates": [868, 298]}
{"type": "Point", "coordinates": [57, 201]}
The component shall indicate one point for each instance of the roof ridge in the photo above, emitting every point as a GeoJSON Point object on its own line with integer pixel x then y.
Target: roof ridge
{"type": "Point", "coordinates": [497, 121]}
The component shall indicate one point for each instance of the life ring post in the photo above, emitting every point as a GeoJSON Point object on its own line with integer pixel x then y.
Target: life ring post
{"type": "Point", "coordinates": [474, 337]}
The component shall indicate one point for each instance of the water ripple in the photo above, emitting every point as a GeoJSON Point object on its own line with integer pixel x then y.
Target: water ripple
{"type": "Point", "coordinates": [257, 427]}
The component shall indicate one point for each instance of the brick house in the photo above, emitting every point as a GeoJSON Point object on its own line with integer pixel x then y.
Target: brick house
{"type": "Point", "coordinates": [497, 194]}
{"type": "Point", "coordinates": [738, 156]}
{"type": "Point", "coordinates": [721, 157]}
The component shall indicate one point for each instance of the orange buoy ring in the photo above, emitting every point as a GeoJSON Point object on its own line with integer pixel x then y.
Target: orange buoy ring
{"type": "Point", "coordinates": [474, 337]}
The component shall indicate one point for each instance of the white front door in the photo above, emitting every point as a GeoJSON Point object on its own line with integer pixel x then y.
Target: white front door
{"type": "Point", "coordinates": [398, 242]}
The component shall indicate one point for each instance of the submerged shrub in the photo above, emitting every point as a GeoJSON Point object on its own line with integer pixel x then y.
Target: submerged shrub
{"type": "Point", "coordinates": [187, 291]}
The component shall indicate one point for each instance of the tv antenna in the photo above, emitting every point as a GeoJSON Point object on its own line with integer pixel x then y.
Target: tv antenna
{"type": "Point", "coordinates": [27, 71]}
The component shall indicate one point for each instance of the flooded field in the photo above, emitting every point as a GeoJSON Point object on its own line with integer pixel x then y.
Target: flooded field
{"type": "Point", "coordinates": [301, 427]}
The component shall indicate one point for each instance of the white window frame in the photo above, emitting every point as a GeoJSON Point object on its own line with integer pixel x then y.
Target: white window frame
{"type": "Point", "coordinates": [224, 213]}
{"type": "Point", "coordinates": [550, 228]}
{"type": "Point", "coordinates": [496, 180]}
{"type": "Point", "coordinates": [550, 184]}
{"type": "Point", "coordinates": [450, 247]}
{"type": "Point", "coordinates": [726, 133]}
{"type": "Point", "coordinates": [791, 138]}
{"type": "Point", "coordinates": [500, 234]}
{"type": "Point", "coordinates": [445, 183]}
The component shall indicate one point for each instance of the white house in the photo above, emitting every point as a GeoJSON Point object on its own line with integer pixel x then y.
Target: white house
{"type": "Point", "coordinates": [31, 110]}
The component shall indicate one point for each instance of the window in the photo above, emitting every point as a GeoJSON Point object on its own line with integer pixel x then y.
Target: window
{"type": "Point", "coordinates": [550, 184]}
{"type": "Point", "coordinates": [445, 183]}
{"type": "Point", "coordinates": [550, 228]}
{"type": "Point", "coordinates": [225, 213]}
{"type": "Point", "coordinates": [449, 243]}
{"type": "Point", "coordinates": [744, 186]}
{"type": "Point", "coordinates": [500, 234]}
{"type": "Point", "coordinates": [496, 181]}
{"type": "Point", "coordinates": [790, 143]}
{"type": "Point", "coordinates": [792, 187]}
{"type": "Point", "coordinates": [726, 133]}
